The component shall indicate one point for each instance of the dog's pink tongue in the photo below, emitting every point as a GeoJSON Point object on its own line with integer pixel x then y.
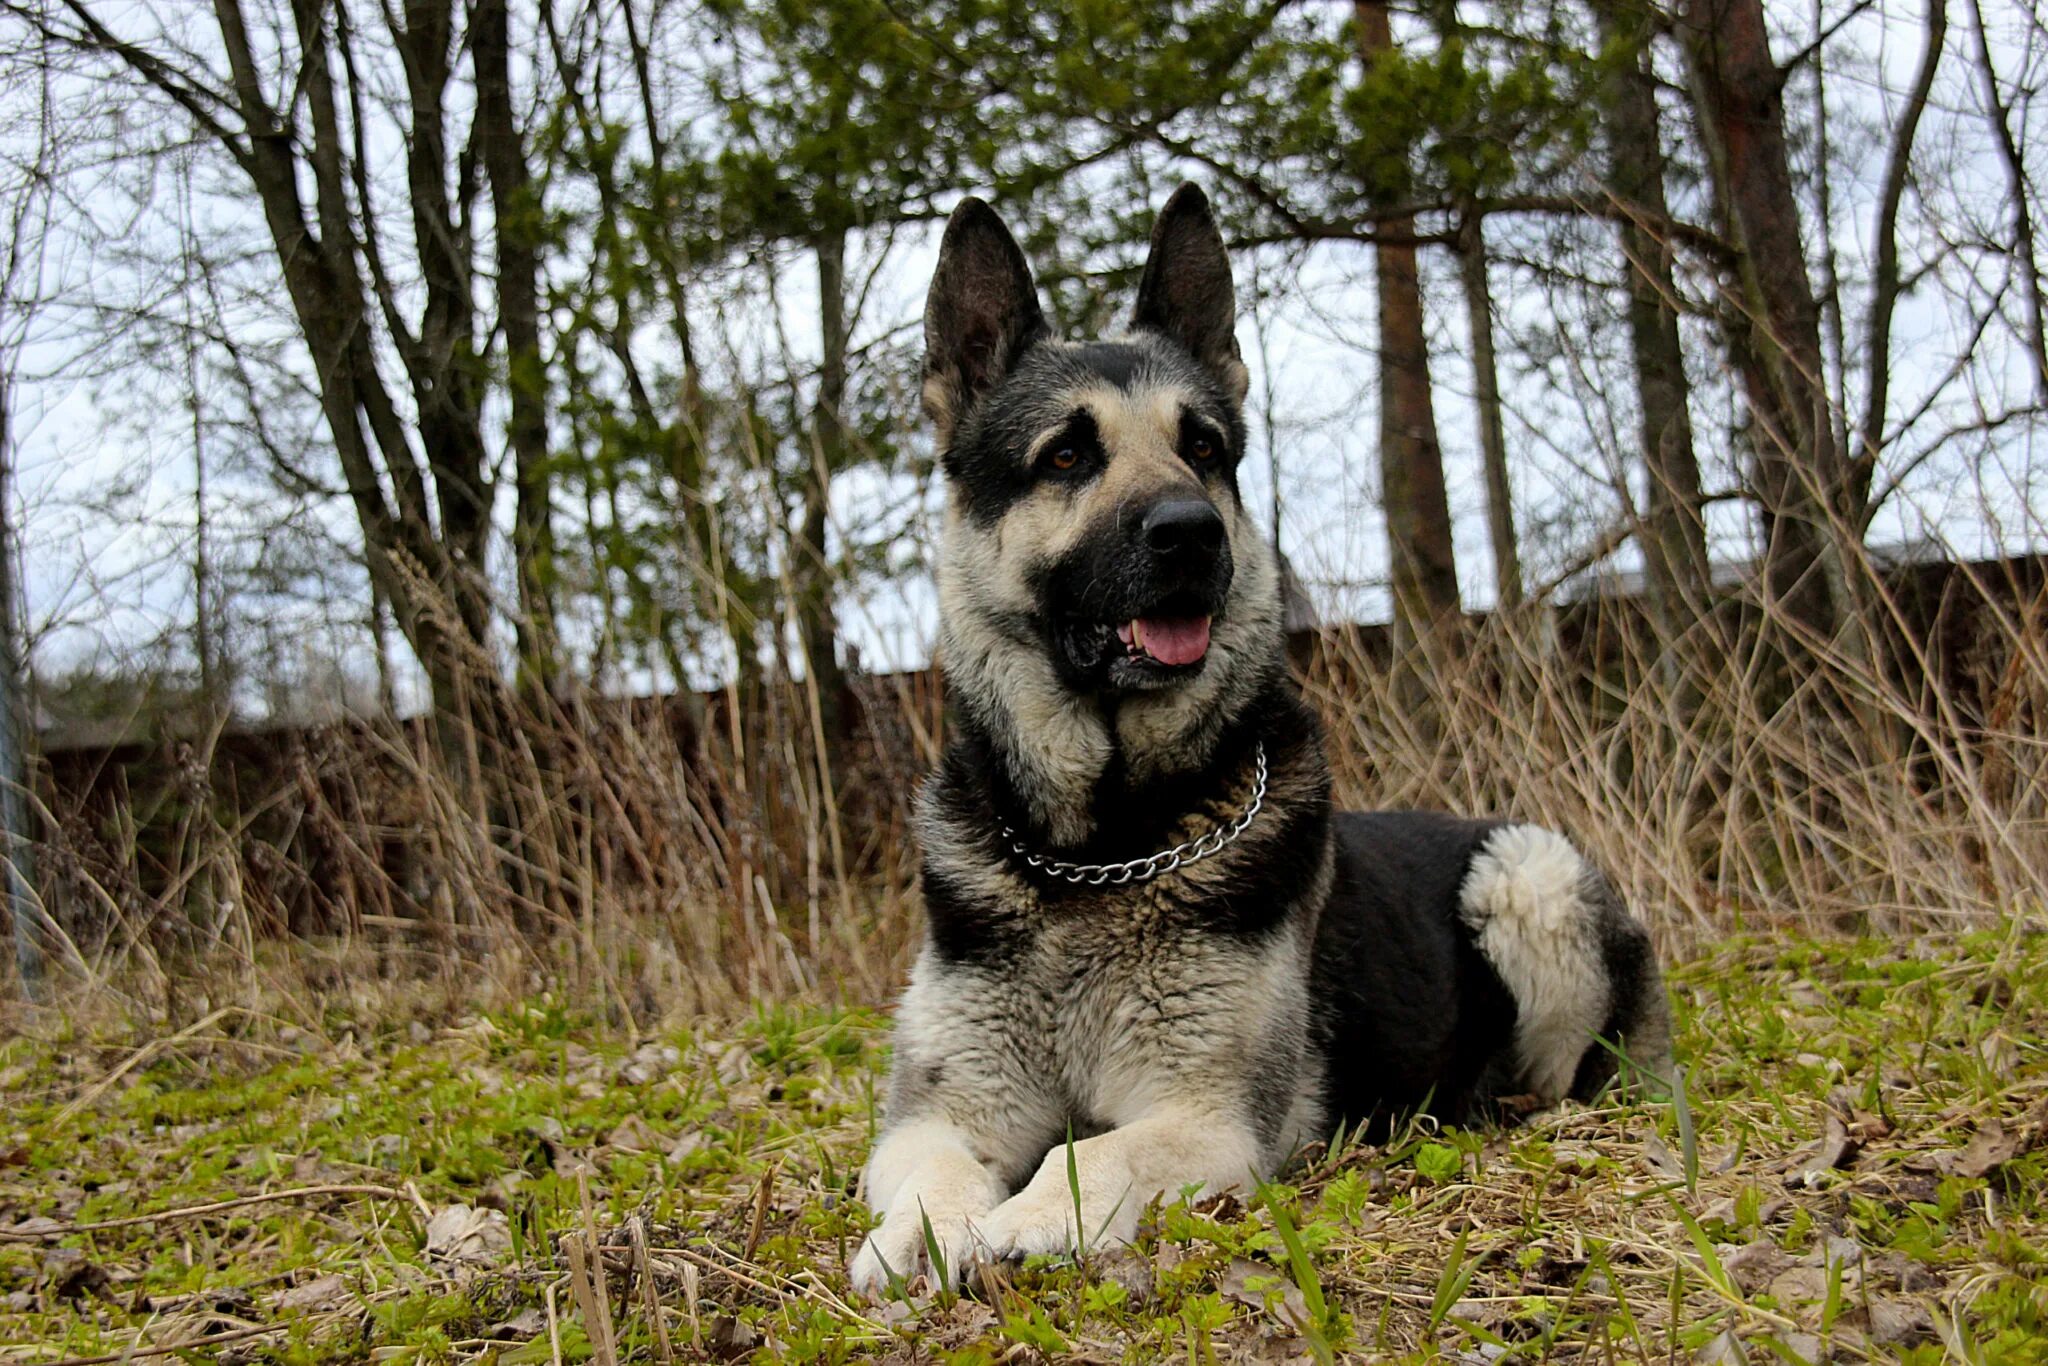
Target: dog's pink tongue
{"type": "Point", "coordinates": [1174, 640]}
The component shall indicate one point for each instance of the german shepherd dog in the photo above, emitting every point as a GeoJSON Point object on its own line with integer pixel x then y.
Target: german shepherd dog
{"type": "Point", "coordinates": [1148, 934]}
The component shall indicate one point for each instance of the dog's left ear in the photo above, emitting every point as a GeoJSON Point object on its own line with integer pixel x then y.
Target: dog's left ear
{"type": "Point", "coordinates": [1186, 293]}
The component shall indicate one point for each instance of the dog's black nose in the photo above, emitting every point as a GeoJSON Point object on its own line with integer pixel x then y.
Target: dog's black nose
{"type": "Point", "coordinates": [1175, 526]}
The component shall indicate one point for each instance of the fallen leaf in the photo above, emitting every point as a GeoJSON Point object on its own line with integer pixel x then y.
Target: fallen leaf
{"type": "Point", "coordinates": [1130, 1269]}
{"type": "Point", "coordinates": [634, 1136]}
{"type": "Point", "coordinates": [1988, 1150]}
{"type": "Point", "coordinates": [37, 1226]}
{"type": "Point", "coordinates": [1755, 1265]}
{"type": "Point", "coordinates": [69, 1274]}
{"type": "Point", "coordinates": [1836, 1149]}
{"type": "Point", "coordinates": [527, 1323]}
{"type": "Point", "coordinates": [1266, 1289]}
{"type": "Point", "coordinates": [461, 1233]}
{"type": "Point", "coordinates": [1800, 1285]}
{"type": "Point", "coordinates": [1574, 1159]}
{"type": "Point", "coordinates": [321, 1295]}
{"type": "Point", "coordinates": [1660, 1159]}
{"type": "Point", "coordinates": [1891, 1321]}
{"type": "Point", "coordinates": [2001, 1055]}
{"type": "Point", "coordinates": [650, 1063]}
{"type": "Point", "coordinates": [1725, 1350]}
{"type": "Point", "coordinates": [730, 1338]}
{"type": "Point", "coordinates": [1804, 1346]}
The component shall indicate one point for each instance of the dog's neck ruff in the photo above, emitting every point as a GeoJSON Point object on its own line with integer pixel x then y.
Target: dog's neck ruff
{"type": "Point", "coordinates": [1152, 865]}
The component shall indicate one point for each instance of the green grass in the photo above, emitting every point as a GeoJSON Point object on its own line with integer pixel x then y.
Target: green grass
{"type": "Point", "coordinates": [1858, 1170]}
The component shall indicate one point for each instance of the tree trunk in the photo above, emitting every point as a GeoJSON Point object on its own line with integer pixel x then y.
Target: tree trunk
{"type": "Point", "coordinates": [1423, 563]}
{"type": "Point", "coordinates": [16, 850]}
{"type": "Point", "coordinates": [1799, 475]}
{"type": "Point", "coordinates": [816, 624]}
{"type": "Point", "coordinates": [1675, 548]}
{"type": "Point", "coordinates": [1493, 442]}
{"type": "Point", "coordinates": [516, 218]}
{"type": "Point", "coordinates": [2025, 258]}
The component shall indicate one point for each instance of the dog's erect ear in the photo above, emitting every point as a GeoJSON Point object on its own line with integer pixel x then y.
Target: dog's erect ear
{"type": "Point", "coordinates": [981, 315]}
{"type": "Point", "coordinates": [1186, 291]}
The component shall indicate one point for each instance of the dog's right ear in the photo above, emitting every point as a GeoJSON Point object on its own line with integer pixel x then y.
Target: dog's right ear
{"type": "Point", "coordinates": [982, 314]}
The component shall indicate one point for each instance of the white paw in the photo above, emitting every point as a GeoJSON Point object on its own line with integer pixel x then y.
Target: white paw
{"type": "Point", "coordinates": [1040, 1220]}
{"type": "Point", "coordinates": [898, 1249]}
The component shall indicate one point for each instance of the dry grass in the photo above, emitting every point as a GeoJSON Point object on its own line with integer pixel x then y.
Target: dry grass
{"type": "Point", "coordinates": [729, 858]}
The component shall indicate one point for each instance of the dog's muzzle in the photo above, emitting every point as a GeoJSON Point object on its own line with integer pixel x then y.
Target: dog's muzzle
{"type": "Point", "coordinates": [1134, 610]}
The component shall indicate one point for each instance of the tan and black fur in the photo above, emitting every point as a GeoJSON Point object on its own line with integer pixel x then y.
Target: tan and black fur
{"type": "Point", "coordinates": [1193, 1029]}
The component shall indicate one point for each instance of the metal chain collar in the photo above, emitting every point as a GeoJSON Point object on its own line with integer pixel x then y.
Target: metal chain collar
{"type": "Point", "coordinates": [1152, 865]}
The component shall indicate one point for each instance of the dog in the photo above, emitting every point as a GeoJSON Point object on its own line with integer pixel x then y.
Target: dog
{"type": "Point", "coordinates": [1153, 950]}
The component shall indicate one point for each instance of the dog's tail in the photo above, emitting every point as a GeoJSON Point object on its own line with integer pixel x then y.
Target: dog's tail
{"type": "Point", "coordinates": [1578, 964]}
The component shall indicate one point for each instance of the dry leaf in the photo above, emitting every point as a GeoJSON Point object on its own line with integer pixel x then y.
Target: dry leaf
{"type": "Point", "coordinates": [1130, 1269]}
{"type": "Point", "coordinates": [634, 1136]}
{"type": "Point", "coordinates": [1892, 1322]}
{"type": "Point", "coordinates": [461, 1233]}
{"type": "Point", "coordinates": [1755, 1265]}
{"type": "Point", "coordinates": [1263, 1288]}
{"type": "Point", "coordinates": [1800, 1285]}
{"type": "Point", "coordinates": [527, 1323]}
{"type": "Point", "coordinates": [321, 1295]}
{"type": "Point", "coordinates": [1988, 1150]}
{"type": "Point", "coordinates": [36, 1226]}
{"type": "Point", "coordinates": [69, 1274]}
{"type": "Point", "coordinates": [1835, 1149]}
{"type": "Point", "coordinates": [2001, 1055]}
{"type": "Point", "coordinates": [650, 1063]}
{"type": "Point", "coordinates": [1725, 1350]}
{"type": "Point", "coordinates": [731, 1338]}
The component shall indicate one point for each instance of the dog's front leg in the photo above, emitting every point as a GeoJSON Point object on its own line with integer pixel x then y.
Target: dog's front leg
{"type": "Point", "coordinates": [923, 1171]}
{"type": "Point", "coordinates": [1118, 1174]}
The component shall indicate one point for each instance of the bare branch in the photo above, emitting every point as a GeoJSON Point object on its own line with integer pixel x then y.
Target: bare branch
{"type": "Point", "coordinates": [1884, 285]}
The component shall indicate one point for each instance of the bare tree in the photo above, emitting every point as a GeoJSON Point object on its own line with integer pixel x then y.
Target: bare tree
{"type": "Point", "coordinates": [27, 232]}
{"type": "Point", "coordinates": [1800, 473]}
{"type": "Point", "coordinates": [296, 111]}
{"type": "Point", "coordinates": [2025, 260]}
{"type": "Point", "coordinates": [1675, 548]}
{"type": "Point", "coordinates": [1493, 441]}
{"type": "Point", "coordinates": [1424, 562]}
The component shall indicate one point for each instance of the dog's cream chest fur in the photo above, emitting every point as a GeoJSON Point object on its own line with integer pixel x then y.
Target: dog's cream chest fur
{"type": "Point", "coordinates": [1112, 1007]}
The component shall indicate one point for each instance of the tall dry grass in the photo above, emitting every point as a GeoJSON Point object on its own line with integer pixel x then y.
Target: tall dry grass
{"type": "Point", "coordinates": [657, 860]}
{"type": "Point", "coordinates": [1887, 785]}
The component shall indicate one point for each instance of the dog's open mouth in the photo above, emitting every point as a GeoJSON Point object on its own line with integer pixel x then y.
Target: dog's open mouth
{"type": "Point", "coordinates": [1164, 642]}
{"type": "Point", "coordinates": [1170, 640]}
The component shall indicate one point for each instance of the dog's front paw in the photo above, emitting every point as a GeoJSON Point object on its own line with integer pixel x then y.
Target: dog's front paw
{"type": "Point", "coordinates": [899, 1249]}
{"type": "Point", "coordinates": [1040, 1220]}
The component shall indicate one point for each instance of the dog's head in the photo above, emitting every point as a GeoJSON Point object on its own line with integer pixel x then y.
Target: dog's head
{"type": "Point", "coordinates": [1093, 507]}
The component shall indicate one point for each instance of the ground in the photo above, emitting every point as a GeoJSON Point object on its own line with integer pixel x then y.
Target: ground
{"type": "Point", "coordinates": [1855, 1167]}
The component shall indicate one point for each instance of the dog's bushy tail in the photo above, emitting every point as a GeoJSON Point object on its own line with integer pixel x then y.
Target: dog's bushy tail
{"type": "Point", "coordinates": [1579, 966]}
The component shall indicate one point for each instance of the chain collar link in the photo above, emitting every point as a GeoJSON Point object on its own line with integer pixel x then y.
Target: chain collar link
{"type": "Point", "coordinates": [1151, 866]}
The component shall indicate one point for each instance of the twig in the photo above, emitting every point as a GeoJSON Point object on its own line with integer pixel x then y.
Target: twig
{"type": "Point", "coordinates": [192, 1345]}
{"type": "Point", "coordinates": [638, 1228]}
{"type": "Point", "coordinates": [760, 1220]}
{"type": "Point", "coordinates": [816, 1294]}
{"type": "Point", "coordinates": [194, 1211]}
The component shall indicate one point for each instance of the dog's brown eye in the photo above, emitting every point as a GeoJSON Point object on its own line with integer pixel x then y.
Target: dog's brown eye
{"type": "Point", "coordinates": [1065, 458]}
{"type": "Point", "coordinates": [1201, 449]}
